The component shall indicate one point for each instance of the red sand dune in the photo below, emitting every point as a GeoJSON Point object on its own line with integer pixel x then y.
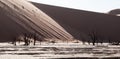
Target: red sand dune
{"type": "Point", "coordinates": [19, 16]}
{"type": "Point", "coordinates": [80, 23]}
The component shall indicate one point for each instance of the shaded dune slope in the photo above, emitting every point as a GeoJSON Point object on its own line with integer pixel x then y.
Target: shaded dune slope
{"type": "Point", "coordinates": [80, 23]}
{"type": "Point", "coordinates": [19, 16]}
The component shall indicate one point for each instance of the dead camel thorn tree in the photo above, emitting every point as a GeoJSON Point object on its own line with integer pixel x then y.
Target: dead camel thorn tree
{"type": "Point", "coordinates": [93, 36]}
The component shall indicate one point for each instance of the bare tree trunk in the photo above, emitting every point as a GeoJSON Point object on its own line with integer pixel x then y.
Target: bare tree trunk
{"type": "Point", "coordinates": [109, 41]}
{"type": "Point", "coordinates": [14, 41]}
{"type": "Point", "coordinates": [93, 42]}
{"type": "Point", "coordinates": [34, 41]}
{"type": "Point", "coordinates": [93, 37]}
{"type": "Point", "coordinates": [89, 42]}
{"type": "Point", "coordinates": [35, 38]}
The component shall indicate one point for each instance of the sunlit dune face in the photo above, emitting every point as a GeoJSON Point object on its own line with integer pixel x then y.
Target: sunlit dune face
{"type": "Point", "coordinates": [32, 19]}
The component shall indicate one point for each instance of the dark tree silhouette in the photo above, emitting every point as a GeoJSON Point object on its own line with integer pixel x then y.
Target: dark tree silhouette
{"type": "Point", "coordinates": [26, 39]}
{"type": "Point", "coordinates": [53, 42]}
{"type": "Point", "coordinates": [89, 42]}
{"type": "Point", "coordinates": [93, 36]}
{"type": "Point", "coordinates": [35, 38]}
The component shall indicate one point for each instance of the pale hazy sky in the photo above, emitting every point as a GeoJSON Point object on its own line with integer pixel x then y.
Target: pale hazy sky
{"type": "Point", "coordinates": [102, 6]}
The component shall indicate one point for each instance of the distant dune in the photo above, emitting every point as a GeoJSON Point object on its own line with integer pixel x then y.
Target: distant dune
{"type": "Point", "coordinates": [80, 23]}
{"type": "Point", "coordinates": [115, 12]}
{"type": "Point", "coordinates": [19, 16]}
